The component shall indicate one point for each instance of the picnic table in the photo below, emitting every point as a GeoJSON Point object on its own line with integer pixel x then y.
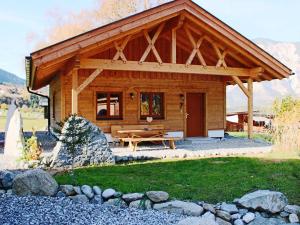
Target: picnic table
{"type": "Point", "coordinates": [136, 136]}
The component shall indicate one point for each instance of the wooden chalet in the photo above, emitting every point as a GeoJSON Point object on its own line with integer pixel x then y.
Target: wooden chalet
{"type": "Point", "coordinates": [170, 63]}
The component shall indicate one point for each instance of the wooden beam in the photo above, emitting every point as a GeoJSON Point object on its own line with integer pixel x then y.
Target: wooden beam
{"type": "Point", "coordinates": [74, 91]}
{"type": "Point", "coordinates": [250, 108]}
{"type": "Point", "coordinates": [173, 47]}
{"type": "Point", "coordinates": [241, 85]}
{"type": "Point", "coordinates": [118, 65]}
{"type": "Point", "coordinates": [89, 80]}
{"type": "Point", "coordinates": [151, 44]}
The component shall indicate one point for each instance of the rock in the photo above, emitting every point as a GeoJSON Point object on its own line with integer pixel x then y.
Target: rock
{"type": "Point", "coordinates": [224, 215]}
{"type": "Point", "coordinates": [97, 199]}
{"type": "Point", "coordinates": [269, 201]}
{"type": "Point", "coordinates": [61, 194]}
{"type": "Point", "coordinates": [67, 189]}
{"type": "Point", "coordinates": [236, 216]}
{"type": "Point", "coordinates": [7, 178]}
{"type": "Point", "coordinates": [97, 190]}
{"type": "Point", "coordinates": [292, 209]}
{"type": "Point", "coordinates": [243, 211]}
{"type": "Point", "coordinates": [118, 194]}
{"type": "Point", "coordinates": [79, 198]}
{"type": "Point", "coordinates": [132, 197]}
{"type": "Point", "coordinates": [248, 217]}
{"type": "Point", "coordinates": [157, 196]}
{"type": "Point", "coordinates": [222, 222]}
{"type": "Point", "coordinates": [108, 193]}
{"type": "Point", "coordinates": [87, 190]}
{"type": "Point", "coordinates": [293, 218]}
{"type": "Point", "coordinates": [141, 204]}
{"type": "Point", "coordinates": [96, 152]}
{"type": "Point", "coordinates": [77, 190]}
{"type": "Point", "coordinates": [197, 221]}
{"type": "Point", "coordinates": [35, 182]}
{"type": "Point", "coordinates": [180, 207]}
{"type": "Point", "coordinates": [116, 202]}
{"type": "Point", "coordinates": [14, 139]}
{"type": "Point", "coordinates": [9, 192]}
{"type": "Point", "coordinates": [209, 216]}
{"type": "Point", "coordinates": [209, 207]}
{"type": "Point", "coordinates": [238, 222]}
{"type": "Point", "coordinates": [284, 214]}
{"type": "Point", "coordinates": [231, 208]}
{"type": "Point", "coordinates": [259, 220]}
{"type": "Point", "coordinates": [2, 192]}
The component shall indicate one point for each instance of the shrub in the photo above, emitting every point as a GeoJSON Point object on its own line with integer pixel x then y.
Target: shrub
{"type": "Point", "coordinates": [286, 125]}
{"type": "Point", "coordinates": [32, 149]}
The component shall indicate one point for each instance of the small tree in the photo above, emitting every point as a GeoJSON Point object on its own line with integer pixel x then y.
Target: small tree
{"type": "Point", "coordinates": [75, 134]}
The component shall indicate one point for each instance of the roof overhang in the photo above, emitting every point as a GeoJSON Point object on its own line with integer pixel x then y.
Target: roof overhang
{"type": "Point", "coordinates": [49, 60]}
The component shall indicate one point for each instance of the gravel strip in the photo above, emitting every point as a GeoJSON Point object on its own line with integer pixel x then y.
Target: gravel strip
{"type": "Point", "coordinates": [49, 210]}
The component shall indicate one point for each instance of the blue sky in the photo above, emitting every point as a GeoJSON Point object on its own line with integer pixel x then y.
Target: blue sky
{"type": "Point", "coordinates": [273, 19]}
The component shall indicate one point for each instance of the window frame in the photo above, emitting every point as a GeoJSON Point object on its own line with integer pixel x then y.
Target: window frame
{"type": "Point", "coordinates": [108, 116]}
{"type": "Point", "coordinates": [151, 94]}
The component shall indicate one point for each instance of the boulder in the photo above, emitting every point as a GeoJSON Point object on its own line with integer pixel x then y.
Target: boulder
{"type": "Point", "coordinates": [248, 217]}
{"type": "Point", "coordinates": [97, 199]}
{"type": "Point", "coordinates": [88, 191]}
{"type": "Point", "coordinates": [157, 196]}
{"type": "Point", "coordinates": [238, 222]}
{"type": "Point", "coordinates": [259, 220]}
{"type": "Point", "coordinates": [236, 216]}
{"type": "Point", "coordinates": [14, 138]}
{"type": "Point", "coordinates": [293, 218]}
{"type": "Point", "coordinates": [2, 192]}
{"type": "Point", "coordinates": [269, 201]}
{"type": "Point", "coordinates": [141, 204]}
{"type": "Point", "coordinates": [61, 194]}
{"type": "Point", "coordinates": [67, 189]}
{"type": "Point", "coordinates": [116, 202]}
{"type": "Point", "coordinates": [35, 182]}
{"type": "Point", "coordinates": [197, 221]}
{"type": "Point", "coordinates": [108, 193]}
{"type": "Point", "coordinates": [80, 198]}
{"type": "Point", "coordinates": [292, 209]}
{"type": "Point", "coordinates": [209, 207]}
{"type": "Point", "coordinates": [97, 190]}
{"type": "Point", "coordinates": [132, 197]}
{"type": "Point", "coordinates": [224, 215]}
{"type": "Point", "coordinates": [96, 152]}
{"type": "Point", "coordinates": [230, 208]}
{"type": "Point", "coordinates": [208, 216]}
{"type": "Point", "coordinates": [222, 222]}
{"type": "Point", "coordinates": [6, 178]}
{"type": "Point", "coordinates": [180, 207]}
{"type": "Point", "coordinates": [77, 190]}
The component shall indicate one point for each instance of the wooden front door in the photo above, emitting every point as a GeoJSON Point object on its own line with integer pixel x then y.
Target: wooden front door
{"type": "Point", "coordinates": [195, 109]}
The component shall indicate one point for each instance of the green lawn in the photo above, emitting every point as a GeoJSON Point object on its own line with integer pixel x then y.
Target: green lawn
{"type": "Point", "coordinates": [39, 124]}
{"type": "Point", "coordinates": [213, 180]}
{"type": "Point", "coordinates": [260, 136]}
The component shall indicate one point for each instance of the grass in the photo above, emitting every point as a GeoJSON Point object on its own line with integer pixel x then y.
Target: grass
{"type": "Point", "coordinates": [212, 180]}
{"type": "Point", "coordinates": [259, 136]}
{"type": "Point", "coordinates": [29, 121]}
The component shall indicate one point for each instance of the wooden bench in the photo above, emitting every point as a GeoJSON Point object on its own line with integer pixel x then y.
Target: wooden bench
{"type": "Point", "coordinates": [133, 141]}
{"type": "Point", "coordinates": [115, 128]}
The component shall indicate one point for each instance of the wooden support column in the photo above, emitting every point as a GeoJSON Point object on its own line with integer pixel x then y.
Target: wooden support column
{"type": "Point", "coordinates": [74, 91]}
{"type": "Point", "coordinates": [173, 48]}
{"type": "Point", "coordinates": [250, 108]}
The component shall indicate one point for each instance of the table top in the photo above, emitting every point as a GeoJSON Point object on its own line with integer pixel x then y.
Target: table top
{"type": "Point", "coordinates": [141, 131]}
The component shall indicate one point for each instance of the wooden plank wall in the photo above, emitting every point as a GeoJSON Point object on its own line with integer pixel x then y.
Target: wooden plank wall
{"type": "Point", "coordinates": [134, 82]}
{"type": "Point", "coordinates": [55, 90]}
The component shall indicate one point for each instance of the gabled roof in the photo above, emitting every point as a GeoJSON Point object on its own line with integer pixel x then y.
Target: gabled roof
{"type": "Point", "coordinates": [49, 60]}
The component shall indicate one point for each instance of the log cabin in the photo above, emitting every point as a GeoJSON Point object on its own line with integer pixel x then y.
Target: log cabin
{"type": "Point", "coordinates": [171, 63]}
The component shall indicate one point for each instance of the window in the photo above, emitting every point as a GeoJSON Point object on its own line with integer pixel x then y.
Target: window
{"type": "Point", "coordinates": [109, 106]}
{"type": "Point", "coordinates": [152, 105]}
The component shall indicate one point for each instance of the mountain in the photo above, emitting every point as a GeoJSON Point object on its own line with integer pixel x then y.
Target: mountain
{"type": "Point", "coordinates": [10, 78]}
{"type": "Point", "coordinates": [266, 92]}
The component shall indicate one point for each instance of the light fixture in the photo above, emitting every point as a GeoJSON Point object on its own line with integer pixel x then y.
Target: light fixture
{"type": "Point", "coordinates": [132, 95]}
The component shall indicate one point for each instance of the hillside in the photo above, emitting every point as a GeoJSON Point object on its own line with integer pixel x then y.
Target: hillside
{"type": "Point", "coordinates": [10, 78]}
{"type": "Point", "coordinates": [266, 92]}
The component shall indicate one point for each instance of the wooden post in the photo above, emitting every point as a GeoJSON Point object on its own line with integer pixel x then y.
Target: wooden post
{"type": "Point", "coordinates": [74, 91]}
{"type": "Point", "coordinates": [250, 108]}
{"type": "Point", "coordinates": [173, 49]}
